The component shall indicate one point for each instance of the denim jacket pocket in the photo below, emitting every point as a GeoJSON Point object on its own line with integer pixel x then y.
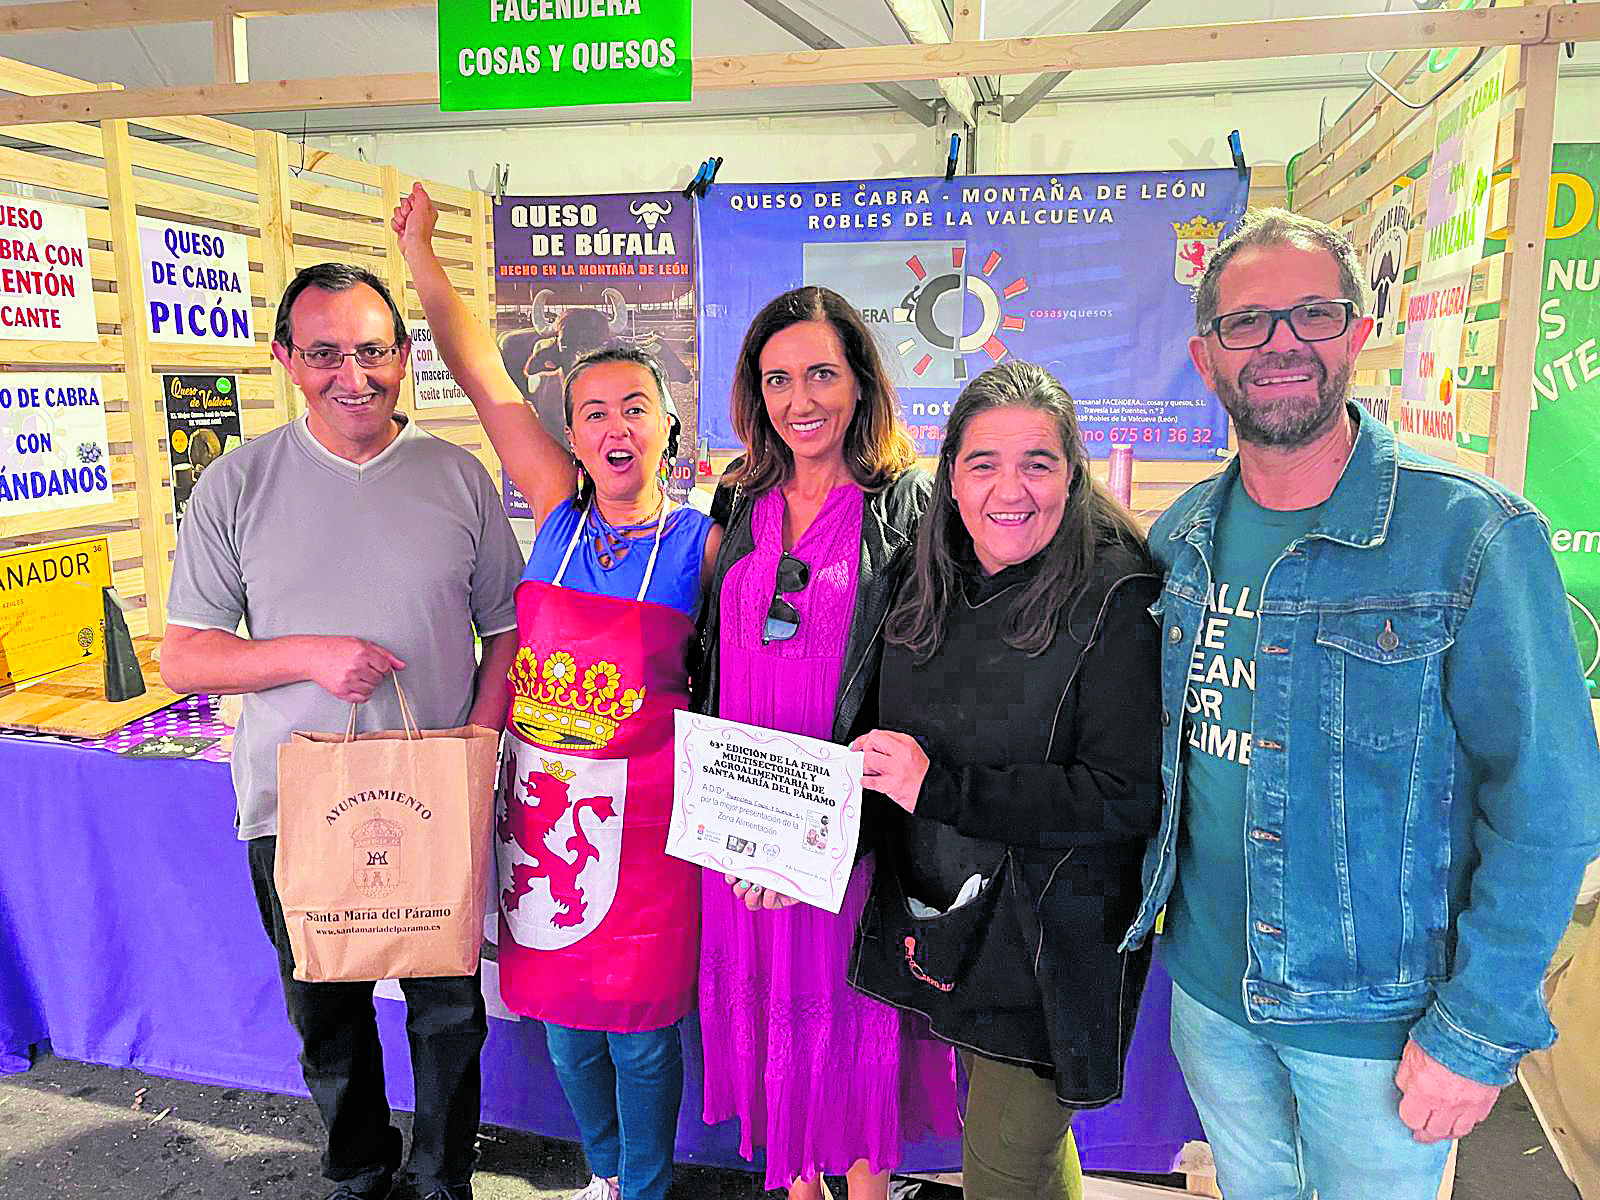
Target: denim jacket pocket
{"type": "Point", "coordinates": [1381, 665]}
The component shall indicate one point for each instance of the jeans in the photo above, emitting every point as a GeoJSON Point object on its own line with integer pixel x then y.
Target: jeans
{"type": "Point", "coordinates": [1014, 1134]}
{"type": "Point", "coordinates": [342, 1061]}
{"type": "Point", "coordinates": [1284, 1123]}
{"type": "Point", "coordinates": [624, 1089]}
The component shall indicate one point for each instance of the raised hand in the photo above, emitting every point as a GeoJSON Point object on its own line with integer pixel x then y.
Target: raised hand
{"type": "Point", "coordinates": [414, 220]}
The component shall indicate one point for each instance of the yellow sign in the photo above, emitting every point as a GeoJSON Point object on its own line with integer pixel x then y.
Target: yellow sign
{"type": "Point", "coordinates": [51, 612]}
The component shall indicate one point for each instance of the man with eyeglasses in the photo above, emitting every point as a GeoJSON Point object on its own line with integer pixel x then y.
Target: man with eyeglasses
{"type": "Point", "coordinates": [1378, 756]}
{"type": "Point", "coordinates": [352, 545]}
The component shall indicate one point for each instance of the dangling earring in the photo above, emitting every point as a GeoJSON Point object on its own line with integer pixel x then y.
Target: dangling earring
{"type": "Point", "coordinates": [664, 474]}
{"type": "Point", "coordinates": [581, 479]}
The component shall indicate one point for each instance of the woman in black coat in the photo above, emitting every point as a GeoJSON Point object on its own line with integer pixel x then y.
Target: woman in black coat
{"type": "Point", "coordinates": [1019, 710]}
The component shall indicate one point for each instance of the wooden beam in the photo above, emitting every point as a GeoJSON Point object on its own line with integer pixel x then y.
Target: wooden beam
{"type": "Point", "coordinates": [1575, 23]}
{"type": "Point", "coordinates": [277, 248]}
{"type": "Point", "coordinates": [78, 15]}
{"type": "Point", "coordinates": [229, 49]}
{"type": "Point", "coordinates": [966, 21]}
{"type": "Point", "coordinates": [156, 534]}
{"type": "Point", "coordinates": [873, 64]}
{"type": "Point", "coordinates": [1525, 286]}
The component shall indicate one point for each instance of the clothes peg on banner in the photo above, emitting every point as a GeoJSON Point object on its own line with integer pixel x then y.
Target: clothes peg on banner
{"type": "Point", "coordinates": [707, 176]}
{"type": "Point", "coordinates": [1237, 147]}
{"type": "Point", "coordinates": [692, 187]}
{"type": "Point", "coordinates": [955, 150]}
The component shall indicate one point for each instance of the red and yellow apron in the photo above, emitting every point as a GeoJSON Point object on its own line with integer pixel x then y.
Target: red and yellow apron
{"type": "Point", "coordinates": [599, 928]}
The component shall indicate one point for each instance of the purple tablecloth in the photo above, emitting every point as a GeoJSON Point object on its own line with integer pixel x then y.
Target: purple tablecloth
{"type": "Point", "coordinates": [129, 936]}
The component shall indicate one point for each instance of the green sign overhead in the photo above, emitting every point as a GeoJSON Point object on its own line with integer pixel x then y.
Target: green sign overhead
{"type": "Point", "coordinates": [562, 53]}
{"type": "Point", "coordinates": [1563, 475]}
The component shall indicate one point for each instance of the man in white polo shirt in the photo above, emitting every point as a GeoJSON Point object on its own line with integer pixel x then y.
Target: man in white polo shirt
{"type": "Point", "coordinates": [352, 545]}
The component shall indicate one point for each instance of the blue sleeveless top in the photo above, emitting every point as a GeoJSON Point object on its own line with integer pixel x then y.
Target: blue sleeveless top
{"type": "Point", "coordinates": [676, 582]}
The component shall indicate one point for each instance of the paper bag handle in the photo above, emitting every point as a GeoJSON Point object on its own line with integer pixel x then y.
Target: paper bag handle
{"type": "Point", "coordinates": [408, 723]}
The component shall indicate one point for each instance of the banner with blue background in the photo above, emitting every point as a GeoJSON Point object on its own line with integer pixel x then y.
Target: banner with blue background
{"type": "Point", "coordinates": [1090, 276]}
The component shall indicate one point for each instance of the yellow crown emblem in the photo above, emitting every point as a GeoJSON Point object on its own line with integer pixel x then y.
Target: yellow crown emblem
{"type": "Point", "coordinates": [557, 768]}
{"type": "Point", "coordinates": [559, 707]}
{"type": "Point", "coordinates": [1198, 227]}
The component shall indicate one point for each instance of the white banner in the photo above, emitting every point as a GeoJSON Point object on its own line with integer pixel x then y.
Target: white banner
{"type": "Point", "coordinates": [46, 291]}
{"type": "Point", "coordinates": [1435, 316]}
{"type": "Point", "coordinates": [1459, 175]}
{"type": "Point", "coordinates": [1383, 253]}
{"type": "Point", "coordinates": [196, 284]}
{"type": "Point", "coordinates": [53, 451]}
{"type": "Point", "coordinates": [435, 386]}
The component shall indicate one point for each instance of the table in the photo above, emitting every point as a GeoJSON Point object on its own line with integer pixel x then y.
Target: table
{"type": "Point", "coordinates": [129, 937]}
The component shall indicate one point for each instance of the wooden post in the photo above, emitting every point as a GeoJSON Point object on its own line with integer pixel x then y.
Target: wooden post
{"type": "Point", "coordinates": [966, 22]}
{"type": "Point", "coordinates": [157, 534]}
{"type": "Point", "coordinates": [482, 263]}
{"type": "Point", "coordinates": [1524, 288]}
{"type": "Point", "coordinates": [229, 48]}
{"type": "Point", "coordinates": [277, 246]}
{"type": "Point", "coordinates": [395, 268]}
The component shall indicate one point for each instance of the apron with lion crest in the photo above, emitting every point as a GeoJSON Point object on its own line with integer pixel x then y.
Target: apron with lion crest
{"type": "Point", "coordinates": [599, 928]}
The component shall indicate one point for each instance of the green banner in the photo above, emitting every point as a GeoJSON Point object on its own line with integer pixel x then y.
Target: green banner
{"type": "Point", "coordinates": [561, 53]}
{"type": "Point", "coordinates": [1563, 476]}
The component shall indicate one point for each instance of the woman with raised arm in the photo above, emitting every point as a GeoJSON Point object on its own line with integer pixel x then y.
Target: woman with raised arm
{"type": "Point", "coordinates": [821, 520]}
{"type": "Point", "coordinates": [599, 928]}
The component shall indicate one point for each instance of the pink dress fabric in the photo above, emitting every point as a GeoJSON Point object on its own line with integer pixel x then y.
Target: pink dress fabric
{"type": "Point", "coordinates": [818, 1074]}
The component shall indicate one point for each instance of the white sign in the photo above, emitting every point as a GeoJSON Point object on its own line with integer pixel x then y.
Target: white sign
{"type": "Point", "coordinates": [46, 291]}
{"type": "Point", "coordinates": [1435, 316]}
{"type": "Point", "coordinates": [435, 386]}
{"type": "Point", "coordinates": [1377, 400]}
{"type": "Point", "coordinates": [1459, 175]}
{"type": "Point", "coordinates": [778, 809]}
{"type": "Point", "coordinates": [53, 451]}
{"type": "Point", "coordinates": [1384, 255]}
{"type": "Point", "coordinates": [196, 284]}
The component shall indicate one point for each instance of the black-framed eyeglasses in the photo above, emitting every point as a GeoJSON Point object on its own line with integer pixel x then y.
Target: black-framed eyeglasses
{"type": "Point", "coordinates": [1313, 321]}
{"type": "Point", "coordinates": [783, 618]}
{"type": "Point", "coordinates": [326, 358]}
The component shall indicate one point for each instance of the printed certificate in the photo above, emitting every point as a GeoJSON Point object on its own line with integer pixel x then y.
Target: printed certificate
{"type": "Point", "coordinates": [778, 809]}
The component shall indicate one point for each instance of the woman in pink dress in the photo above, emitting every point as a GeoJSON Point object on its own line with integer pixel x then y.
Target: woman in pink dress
{"type": "Point", "coordinates": [820, 518]}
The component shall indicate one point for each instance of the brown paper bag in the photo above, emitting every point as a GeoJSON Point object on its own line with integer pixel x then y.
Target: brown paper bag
{"type": "Point", "coordinates": [1560, 1081]}
{"type": "Point", "coordinates": [384, 849]}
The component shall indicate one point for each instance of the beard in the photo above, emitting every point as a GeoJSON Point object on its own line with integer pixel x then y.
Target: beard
{"type": "Point", "coordinates": [1291, 421]}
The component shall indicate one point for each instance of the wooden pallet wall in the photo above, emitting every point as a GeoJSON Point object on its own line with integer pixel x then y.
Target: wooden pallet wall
{"type": "Point", "coordinates": [1376, 148]}
{"type": "Point", "coordinates": [294, 208]}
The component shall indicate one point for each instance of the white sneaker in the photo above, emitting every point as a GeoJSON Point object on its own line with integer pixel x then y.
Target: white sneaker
{"type": "Point", "coordinates": [600, 1189]}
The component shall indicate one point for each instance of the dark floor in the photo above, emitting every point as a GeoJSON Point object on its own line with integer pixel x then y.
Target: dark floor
{"type": "Point", "coordinates": [72, 1131]}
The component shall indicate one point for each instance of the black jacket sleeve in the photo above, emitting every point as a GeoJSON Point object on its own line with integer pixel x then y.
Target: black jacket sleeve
{"type": "Point", "coordinates": [1103, 783]}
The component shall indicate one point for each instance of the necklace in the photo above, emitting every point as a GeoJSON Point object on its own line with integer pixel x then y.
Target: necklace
{"type": "Point", "coordinates": [612, 542]}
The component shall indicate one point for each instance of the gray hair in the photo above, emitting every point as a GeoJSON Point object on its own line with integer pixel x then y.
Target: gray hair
{"type": "Point", "coordinates": [1277, 227]}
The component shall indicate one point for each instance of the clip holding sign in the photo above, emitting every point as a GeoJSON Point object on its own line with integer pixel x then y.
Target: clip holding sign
{"type": "Point", "coordinates": [710, 176]}
{"type": "Point", "coordinates": [1237, 146]}
{"type": "Point", "coordinates": [950, 162]}
{"type": "Point", "coordinates": [692, 187]}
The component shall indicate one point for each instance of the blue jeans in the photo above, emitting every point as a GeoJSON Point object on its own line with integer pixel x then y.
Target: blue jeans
{"type": "Point", "coordinates": [624, 1089]}
{"type": "Point", "coordinates": [1284, 1123]}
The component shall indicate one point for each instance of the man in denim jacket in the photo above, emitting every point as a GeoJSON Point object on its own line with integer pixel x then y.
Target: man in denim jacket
{"type": "Point", "coordinates": [1379, 765]}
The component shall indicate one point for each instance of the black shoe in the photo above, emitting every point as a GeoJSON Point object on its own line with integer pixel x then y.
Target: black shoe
{"type": "Point", "coordinates": [460, 1192]}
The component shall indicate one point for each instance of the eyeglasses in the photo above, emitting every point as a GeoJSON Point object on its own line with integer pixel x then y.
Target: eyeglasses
{"type": "Point", "coordinates": [1313, 321]}
{"type": "Point", "coordinates": [783, 618]}
{"type": "Point", "coordinates": [326, 358]}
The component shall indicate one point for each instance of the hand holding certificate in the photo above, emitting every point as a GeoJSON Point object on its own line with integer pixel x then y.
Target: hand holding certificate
{"type": "Point", "coordinates": [779, 809]}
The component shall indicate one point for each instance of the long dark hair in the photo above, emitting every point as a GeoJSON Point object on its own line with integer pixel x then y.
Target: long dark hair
{"type": "Point", "coordinates": [1092, 521]}
{"type": "Point", "coordinates": [877, 445]}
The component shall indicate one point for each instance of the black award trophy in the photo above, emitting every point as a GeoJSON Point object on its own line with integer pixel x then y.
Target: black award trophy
{"type": "Point", "coordinates": [124, 679]}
